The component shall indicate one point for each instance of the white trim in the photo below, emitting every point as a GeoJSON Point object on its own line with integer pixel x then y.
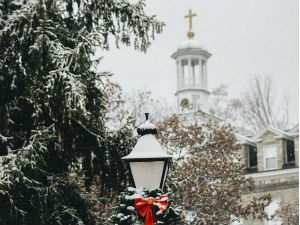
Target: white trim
{"type": "Point", "coordinates": [294, 134]}
{"type": "Point", "coordinates": [245, 140]}
{"type": "Point", "coordinates": [294, 129]}
{"type": "Point", "coordinates": [194, 51]}
{"type": "Point", "coordinates": [287, 138]}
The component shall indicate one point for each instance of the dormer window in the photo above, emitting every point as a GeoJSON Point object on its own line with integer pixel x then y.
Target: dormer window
{"type": "Point", "coordinates": [270, 157]}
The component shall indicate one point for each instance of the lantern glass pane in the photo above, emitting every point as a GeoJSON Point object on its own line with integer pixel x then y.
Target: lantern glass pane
{"type": "Point", "coordinates": [147, 174]}
{"type": "Point", "coordinates": [165, 175]}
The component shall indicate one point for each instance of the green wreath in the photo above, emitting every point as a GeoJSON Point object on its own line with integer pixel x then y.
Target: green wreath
{"type": "Point", "coordinates": [126, 214]}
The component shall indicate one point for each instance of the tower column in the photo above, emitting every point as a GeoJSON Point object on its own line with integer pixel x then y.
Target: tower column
{"type": "Point", "coordinates": [190, 72]}
{"type": "Point", "coordinates": [200, 73]}
{"type": "Point", "coordinates": [181, 75]}
{"type": "Point", "coordinates": [204, 76]}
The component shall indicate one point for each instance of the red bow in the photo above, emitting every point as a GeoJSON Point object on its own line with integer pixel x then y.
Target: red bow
{"type": "Point", "coordinates": [145, 208]}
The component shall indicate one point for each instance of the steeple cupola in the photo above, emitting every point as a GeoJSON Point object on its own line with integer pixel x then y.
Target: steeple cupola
{"type": "Point", "coordinates": [191, 61]}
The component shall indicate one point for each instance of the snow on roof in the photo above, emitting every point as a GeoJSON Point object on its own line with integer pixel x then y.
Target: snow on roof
{"type": "Point", "coordinates": [280, 133]}
{"type": "Point", "coordinates": [198, 114]}
{"type": "Point", "coordinates": [273, 130]}
{"type": "Point", "coordinates": [147, 147]}
{"type": "Point", "coordinates": [294, 131]}
{"type": "Point", "coordinates": [191, 43]}
{"type": "Point", "coordinates": [147, 125]}
{"type": "Point", "coordinates": [245, 140]}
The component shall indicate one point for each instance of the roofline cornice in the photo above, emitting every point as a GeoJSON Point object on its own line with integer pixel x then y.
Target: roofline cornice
{"type": "Point", "coordinates": [186, 51]}
{"type": "Point", "coordinates": [192, 89]}
{"type": "Point", "coordinates": [279, 133]}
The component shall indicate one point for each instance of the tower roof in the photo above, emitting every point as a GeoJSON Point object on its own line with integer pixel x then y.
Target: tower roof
{"type": "Point", "coordinates": [191, 44]}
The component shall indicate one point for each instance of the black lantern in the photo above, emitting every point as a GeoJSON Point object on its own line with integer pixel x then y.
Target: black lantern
{"type": "Point", "coordinates": [149, 162]}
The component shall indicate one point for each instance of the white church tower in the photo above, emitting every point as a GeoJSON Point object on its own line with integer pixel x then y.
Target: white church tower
{"type": "Point", "coordinates": [191, 60]}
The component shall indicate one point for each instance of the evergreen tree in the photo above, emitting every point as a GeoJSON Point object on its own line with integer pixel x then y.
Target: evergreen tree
{"type": "Point", "coordinates": [53, 107]}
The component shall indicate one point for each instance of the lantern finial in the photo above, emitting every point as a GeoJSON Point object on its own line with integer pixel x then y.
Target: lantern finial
{"type": "Point", "coordinates": [147, 116]}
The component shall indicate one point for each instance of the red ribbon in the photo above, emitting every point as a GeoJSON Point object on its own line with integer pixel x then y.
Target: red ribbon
{"type": "Point", "coordinates": [145, 207]}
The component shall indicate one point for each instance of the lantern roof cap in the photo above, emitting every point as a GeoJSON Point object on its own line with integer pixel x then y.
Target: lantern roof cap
{"type": "Point", "coordinates": [146, 127]}
{"type": "Point", "coordinates": [147, 147]}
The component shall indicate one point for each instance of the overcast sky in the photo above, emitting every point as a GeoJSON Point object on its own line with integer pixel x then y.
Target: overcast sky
{"type": "Point", "coordinates": [247, 38]}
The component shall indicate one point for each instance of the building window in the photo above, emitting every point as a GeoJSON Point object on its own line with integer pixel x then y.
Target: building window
{"type": "Point", "coordinates": [270, 157]}
{"type": "Point", "coordinates": [252, 157]}
{"type": "Point", "coordinates": [290, 151]}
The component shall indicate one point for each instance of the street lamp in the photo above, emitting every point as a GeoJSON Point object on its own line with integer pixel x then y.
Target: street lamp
{"type": "Point", "coordinates": [149, 162]}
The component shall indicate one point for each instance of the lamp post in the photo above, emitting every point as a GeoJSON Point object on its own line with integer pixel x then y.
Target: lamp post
{"type": "Point", "coordinates": [148, 161]}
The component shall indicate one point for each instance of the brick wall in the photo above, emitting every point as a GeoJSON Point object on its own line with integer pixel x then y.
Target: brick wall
{"type": "Point", "coordinates": [260, 157]}
{"type": "Point", "coordinates": [281, 149]}
{"type": "Point", "coordinates": [244, 155]}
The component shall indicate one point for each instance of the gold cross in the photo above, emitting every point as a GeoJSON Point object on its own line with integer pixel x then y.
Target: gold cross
{"type": "Point", "coordinates": [190, 16]}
